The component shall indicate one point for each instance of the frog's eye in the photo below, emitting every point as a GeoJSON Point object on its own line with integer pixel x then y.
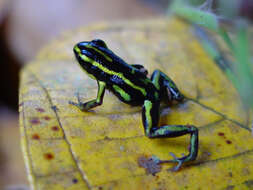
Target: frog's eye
{"type": "Point", "coordinates": [99, 42]}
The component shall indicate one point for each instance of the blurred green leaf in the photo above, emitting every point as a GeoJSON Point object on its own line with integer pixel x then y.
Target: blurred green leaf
{"type": "Point", "coordinates": [241, 73]}
{"type": "Point", "coordinates": [242, 68]}
{"type": "Point", "coordinates": [194, 15]}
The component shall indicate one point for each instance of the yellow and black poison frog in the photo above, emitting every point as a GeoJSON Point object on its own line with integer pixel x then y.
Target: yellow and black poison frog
{"type": "Point", "coordinates": [132, 86]}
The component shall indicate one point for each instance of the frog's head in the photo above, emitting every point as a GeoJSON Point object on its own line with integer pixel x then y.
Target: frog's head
{"type": "Point", "coordinates": [90, 48]}
{"type": "Point", "coordinates": [87, 52]}
{"type": "Point", "coordinates": [87, 47]}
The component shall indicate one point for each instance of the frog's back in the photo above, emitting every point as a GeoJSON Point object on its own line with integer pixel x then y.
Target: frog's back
{"type": "Point", "coordinates": [128, 83]}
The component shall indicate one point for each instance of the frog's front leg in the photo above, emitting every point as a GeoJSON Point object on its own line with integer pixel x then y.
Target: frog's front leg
{"type": "Point", "coordinates": [150, 119]}
{"type": "Point", "coordinates": [93, 103]}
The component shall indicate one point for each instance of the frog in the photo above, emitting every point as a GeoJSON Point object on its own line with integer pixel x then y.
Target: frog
{"type": "Point", "coordinates": [130, 84]}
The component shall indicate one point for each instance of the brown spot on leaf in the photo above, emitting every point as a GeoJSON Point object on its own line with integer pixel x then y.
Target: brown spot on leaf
{"type": "Point", "coordinates": [55, 128]}
{"type": "Point", "coordinates": [221, 134]}
{"type": "Point", "coordinates": [35, 121]}
{"type": "Point", "coordinates": [106, 138]}
{"type": "Point", "coordinates": [35, 136]}
{"type": "Point", "coordinates": [47, 118]}
{"type": "Point", "coordinates": [48, 156]}
{"type": "Point", "coordinates": [40, 110]}
{"type": "Point", "coordinates": [230, 187]}
{"type": "Point", "coordinates": [74, 180]}
{"type": "Point", "coordinates": [228, 142]}
{"type": "Point", "coordinates": [151, 166]}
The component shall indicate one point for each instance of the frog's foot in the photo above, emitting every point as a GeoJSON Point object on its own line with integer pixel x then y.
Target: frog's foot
{"type": "Point", "coordinates": [79, 104]}
{"type": "Point", "coordinates": [180, 161]}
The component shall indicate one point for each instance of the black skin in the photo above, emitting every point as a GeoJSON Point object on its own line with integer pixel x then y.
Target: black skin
{"type": "Point", "coordinates": [132, 86]}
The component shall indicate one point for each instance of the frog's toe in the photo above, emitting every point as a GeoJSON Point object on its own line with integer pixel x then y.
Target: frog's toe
{"type": "Point", "coordinates": [79, 105]}
{"type": "Point", "coordinates": [73, 103]}
{"type": "Point", "coordinates": [175, 159]}
{"type": "Point", "coordinates": [178, 160]}
{"type": "Point", "coordinates": [78, 97]}
{"type": "Point", "coordinates": [177, 167]}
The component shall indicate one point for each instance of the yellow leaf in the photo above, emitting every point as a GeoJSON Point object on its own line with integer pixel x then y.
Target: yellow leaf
{"type": "Point", "coordinates": [105, 148]}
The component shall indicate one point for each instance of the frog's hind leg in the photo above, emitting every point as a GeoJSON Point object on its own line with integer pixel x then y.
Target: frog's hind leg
{"type": "Point", "coordinates": [166, 86]}
{"type": "Point", "coordinates": [150, 119]}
